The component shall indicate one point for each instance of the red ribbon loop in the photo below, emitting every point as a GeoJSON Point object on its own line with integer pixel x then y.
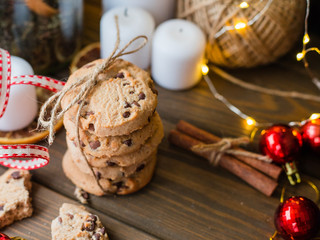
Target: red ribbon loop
{"type": "Point", "coordinates": [37, 156]}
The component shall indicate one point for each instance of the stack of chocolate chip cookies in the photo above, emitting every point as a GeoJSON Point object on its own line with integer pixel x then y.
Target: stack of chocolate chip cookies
{"type": "Point", "coordinates": [119, 130]}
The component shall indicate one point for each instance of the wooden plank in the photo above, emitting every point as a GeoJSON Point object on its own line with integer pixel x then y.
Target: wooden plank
{"type": "Point", "coordinates": [46, 207]}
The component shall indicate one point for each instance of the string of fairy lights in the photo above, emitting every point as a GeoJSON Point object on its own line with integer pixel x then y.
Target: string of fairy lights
{"type": "Point", "coordinates": [250, 121]}
{"type": "Point", "coordinates": [242, 24]}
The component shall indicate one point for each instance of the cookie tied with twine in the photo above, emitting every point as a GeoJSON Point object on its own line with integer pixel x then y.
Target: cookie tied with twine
{"type": "Point", "coordinates": [277, 25]}
{"type": "Point", "coordinates": [86, 83]}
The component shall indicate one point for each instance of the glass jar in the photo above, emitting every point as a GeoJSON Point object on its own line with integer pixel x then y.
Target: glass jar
{"type": "Point", "coordinates": [46, 33]}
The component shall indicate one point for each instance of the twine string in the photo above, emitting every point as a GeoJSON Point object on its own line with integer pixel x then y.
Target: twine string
{"type": "Point", "coordinates": [87, 83]}
{"type": "Point", "coordinates": [227, 146]}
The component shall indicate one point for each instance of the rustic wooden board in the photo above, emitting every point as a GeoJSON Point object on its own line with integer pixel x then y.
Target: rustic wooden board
{"type": "Point", "coordinates": [46, 207]}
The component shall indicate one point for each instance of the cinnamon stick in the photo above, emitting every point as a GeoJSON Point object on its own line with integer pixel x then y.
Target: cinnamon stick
{"type": "Point", "coordinates": [253, 177]}
{"type": "Point", "coordinates": [269, 169]}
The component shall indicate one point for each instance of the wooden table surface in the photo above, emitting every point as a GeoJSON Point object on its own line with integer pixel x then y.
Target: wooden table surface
{"type": "Point", "coordinates": [187, 198]}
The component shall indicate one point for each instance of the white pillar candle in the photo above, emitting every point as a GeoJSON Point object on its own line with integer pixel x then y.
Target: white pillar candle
{"type": "Point", "coordinates": [132, 23]}
{"type": "Point", "coordinates": [177, 54]}
{"type": "Point", "coordinates": [161, 10]}
{"type": "Point", "coordinates": [22, 106]}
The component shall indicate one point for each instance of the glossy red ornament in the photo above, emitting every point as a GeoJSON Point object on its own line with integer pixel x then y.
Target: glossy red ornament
{"type": "Point", "coordinates": [310, 132]}
{"type": "Point", "coordinates": [297, 218]}
{"type": "Point", "coordinates": [4, 237]}
{"type": "Point", "coordinates": [281, 143]}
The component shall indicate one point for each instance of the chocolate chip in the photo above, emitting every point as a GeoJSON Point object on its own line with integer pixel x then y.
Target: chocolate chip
{"type": "Point", "coordinates": [89, 113]}
{"type": "Point", "coordinates": [140, 167]}
{"type": "Point", "coordinates": [118, 184]}
{"type": "Point", "coordinates": [82, 143]}
{"type": "Point", "coordinates": [98, 175]}
{"type": "Point", "coordinates": [90, 226]}
{"type": "Point", "coordinates": [1, 207]}
{"type": "Point", "coordinates": [96, 236]}
{"type": "Point", "coordinates": [102, 230]}
{"type": "Point", "coordinates": [60, 220]}
{"type": "Point", "coordinates": [70, 215]}
{"type": "Point", "coordinates": [82, 227]}
{"type": "Point", "coordinates": [125, 84]}
{"type": "Point", "coordinates": [91, 127]}
{"type": "Point", "coordinates": [127, 105]}
{"type": "Point", "coordinates": [149, 120]}
{"type": "Point", "coordinates": [136, 103]}
{"type": "Point", "coordinates": [155, 91]}
{"type": "Point", "coordinates": [93, 217]}
{"type": "Point", "coordinates": [128, 142]}
{"type": "Point", "coordinates": [85, 103]}
{"type": "Point", "coordinates": [95, 144]}
{"type": "Point", "coordinates": [131, 92]}
{"type": "Point", "coordinates": [126, 114]}
{"type": "Point", "coordinates": [85, 195]}
{"type": "Point", "coordinates": [120, 75]}
{"type": "Point", "coordinates": [16, 175]}
{"type": "Point", "coordinates": [110, 164]}
{"type": "Point", "coordinates": [142, 96]}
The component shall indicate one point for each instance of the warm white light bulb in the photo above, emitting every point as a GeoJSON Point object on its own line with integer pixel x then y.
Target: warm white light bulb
{"type": "Point", "coordinates": [306, 39]}
{"type": "Point", "coordinates": [250, 121]}
{"type": "Point", "coordinates": [314, 116]}
{"type": "Point", "coordinates": [244, 5]}
{"type": "Point", "coordinates": [205, 69]}
{"type": "Point", "coordinates": [240, 25]}
{"type": "Point", "coordinates": [300, 56]}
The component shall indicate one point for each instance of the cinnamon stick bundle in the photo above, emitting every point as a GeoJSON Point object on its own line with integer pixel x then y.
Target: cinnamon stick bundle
{"type": "Point", "coordinates": [269, 169]}
{"type": "Point", "coordinates": [247, 173]}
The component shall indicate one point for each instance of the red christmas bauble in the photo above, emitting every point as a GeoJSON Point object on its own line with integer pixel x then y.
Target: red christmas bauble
{"type": "Point", "coordinates": [310, 132]}
{"type": "Point", "coordinates": [281, 143]}
{"type": "Point", "coordinates": [297, 218]}
{"type": "Point", "coordinates": [4, 237]}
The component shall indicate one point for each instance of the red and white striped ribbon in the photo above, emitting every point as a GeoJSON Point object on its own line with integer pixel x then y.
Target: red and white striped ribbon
{"type": "Point", "coordinates": [34, 156]}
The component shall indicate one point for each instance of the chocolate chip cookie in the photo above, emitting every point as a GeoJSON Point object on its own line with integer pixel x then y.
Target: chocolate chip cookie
{"type": "Point", "coordinates": [122, 160]}
{"type": "Point", "coordinates": [113, 145]}
{"type": "Point", "coordinates": [121, 102]}
{"type": "Point", "coordinates": [15, 200]}
{"type": "Point", "coordinates": [74, 222]}
{"type": "Point", "coordinates": [122, 186]}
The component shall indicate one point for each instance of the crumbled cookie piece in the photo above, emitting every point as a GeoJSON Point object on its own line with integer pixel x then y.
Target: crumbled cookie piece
{"type": "Point", "coordinates": [15, 200]}
{"type": "Point", "coordinates": [81, 195]}
{"type": "Point", "coordinates": [74, 222]}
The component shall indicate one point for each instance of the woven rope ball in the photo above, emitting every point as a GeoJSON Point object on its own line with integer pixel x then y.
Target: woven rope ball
{"type": "Point", "coordinates": [271, 36]}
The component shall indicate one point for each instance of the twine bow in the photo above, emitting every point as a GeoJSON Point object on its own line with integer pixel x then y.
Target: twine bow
{"type": "Point", "coordinates": [87, 83]}
{"type": "Point", "coordinates": [227, 146]}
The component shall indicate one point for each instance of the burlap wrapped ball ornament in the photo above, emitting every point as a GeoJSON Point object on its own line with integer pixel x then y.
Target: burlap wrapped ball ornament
{"type": "Point", "coordinates": [268, 38]}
